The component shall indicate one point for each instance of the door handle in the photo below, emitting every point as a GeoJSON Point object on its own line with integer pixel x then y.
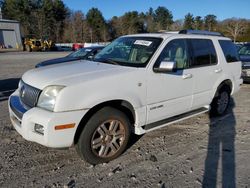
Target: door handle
{"type": "Point", "coordinates": [218, 70]}
{"type": "Point", "coordinates": [187, 76]}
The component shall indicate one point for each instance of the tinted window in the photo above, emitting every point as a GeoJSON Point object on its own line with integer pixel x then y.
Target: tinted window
{"type": "Point", "coordinates": [80, 53]}
{"type": "Point", "coordinates": [229, 50]}
{"type": "Point", "coordinates": [203, 52]}
{"type": "Point", "coordinates": [245, 50]}
{"type": "Point", "coordinates": [175, 51]}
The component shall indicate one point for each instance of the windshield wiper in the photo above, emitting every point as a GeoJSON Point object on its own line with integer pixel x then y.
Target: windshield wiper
{"type": "Point", "coordinates": [107, 60]}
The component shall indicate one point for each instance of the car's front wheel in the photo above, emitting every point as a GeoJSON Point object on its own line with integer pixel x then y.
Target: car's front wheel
{"type": "Point", "coordinates": [104, 137]}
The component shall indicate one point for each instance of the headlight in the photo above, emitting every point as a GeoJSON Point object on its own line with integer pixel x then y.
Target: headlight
{"type": "Point", "coordinates": [47, 99]}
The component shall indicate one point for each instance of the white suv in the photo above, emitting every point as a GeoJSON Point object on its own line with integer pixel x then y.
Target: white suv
{"type": "Point", "coordinates": [138, 83]}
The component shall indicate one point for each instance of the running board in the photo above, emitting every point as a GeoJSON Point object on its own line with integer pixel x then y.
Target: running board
{"type": "Point", "coordinates": [174, 119]}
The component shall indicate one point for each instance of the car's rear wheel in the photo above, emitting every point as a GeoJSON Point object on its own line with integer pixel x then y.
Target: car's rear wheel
{"type": "Point", "coordinates": [104, 137]}
{"type": "Point", "coordinates": [220, 102]}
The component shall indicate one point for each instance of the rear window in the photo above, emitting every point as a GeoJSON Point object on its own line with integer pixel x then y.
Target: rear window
{"type": "Point", "coordinates": [230, 51]}
{"type": "Point", "coordinates": [203, 52]}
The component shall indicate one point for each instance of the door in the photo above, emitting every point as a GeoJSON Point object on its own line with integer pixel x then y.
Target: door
{"type": "Point", "coordinates": [205, 71]}
{"type": "Point", "coordinates": [9, 38]}
{"type": "Point", "coordinates": [170, 94]}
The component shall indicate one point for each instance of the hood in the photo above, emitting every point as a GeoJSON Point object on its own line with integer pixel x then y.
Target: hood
{"type": "Point", "coordinates": [72, 73]}
{"type": "Point", "coordinates": [56, 61]}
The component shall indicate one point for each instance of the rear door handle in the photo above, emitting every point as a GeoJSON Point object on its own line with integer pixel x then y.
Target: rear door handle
{"type": "Point", "coordinates": [218, 70]}
{"type": "Point", "coordinates": [187, 76]}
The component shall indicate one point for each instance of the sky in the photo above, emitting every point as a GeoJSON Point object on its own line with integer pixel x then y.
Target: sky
{"type": "Point", "coordinates": [221, 8]}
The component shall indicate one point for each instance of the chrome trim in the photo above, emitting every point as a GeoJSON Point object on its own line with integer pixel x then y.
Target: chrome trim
{"type": "Point", "coordinates": [28, 95]}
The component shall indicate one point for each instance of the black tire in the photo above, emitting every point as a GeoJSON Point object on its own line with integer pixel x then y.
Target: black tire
{"type": "Point", "coordinates": [220, 102]}
{"type": "Point", "coordinates": [95, 141]}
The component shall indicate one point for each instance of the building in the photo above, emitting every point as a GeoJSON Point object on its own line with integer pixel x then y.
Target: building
{"type": "Point", "coordinates": [10, 36]}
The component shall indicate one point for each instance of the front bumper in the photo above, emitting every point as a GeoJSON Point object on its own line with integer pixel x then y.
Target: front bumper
{"type": "Point", "coordinates": [245, 75]}
{"type": "Point", "coordinates": [246, 78]}
{"type": "Point", "coordinates": [24, 121]}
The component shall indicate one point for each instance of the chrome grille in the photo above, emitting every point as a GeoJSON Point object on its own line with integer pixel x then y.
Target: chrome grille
{"type": "Point", "coordinates": [28, 94]}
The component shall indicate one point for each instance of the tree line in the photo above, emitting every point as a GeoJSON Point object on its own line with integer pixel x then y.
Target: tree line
{"type": "Point", "coordinates": [52, 19]}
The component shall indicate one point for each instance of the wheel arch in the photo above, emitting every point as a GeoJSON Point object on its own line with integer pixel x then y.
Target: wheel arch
{"type": "Point", "coordinates": [122, 105]}
{"type": "Point", "coordinates": [226, 83]}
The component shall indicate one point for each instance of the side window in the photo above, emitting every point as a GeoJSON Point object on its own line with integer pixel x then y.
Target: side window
{"type": "Point", "coordinates": [176, 50]}
{"type": "Point", "coordinates": [98, 50]}
{"type": "Point", "coordinates": [94, 52]}
{"type": "Point", "coordinates": [203, 52]}
{"type": "Point", "coordinates": [229, 50]}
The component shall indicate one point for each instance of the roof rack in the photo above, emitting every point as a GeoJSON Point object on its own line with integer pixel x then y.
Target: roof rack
{"type": "Point", "coordinates": [200, 32]}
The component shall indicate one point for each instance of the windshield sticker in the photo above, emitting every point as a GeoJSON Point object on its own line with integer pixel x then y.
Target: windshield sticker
{"type": "Point", "coordinates": [143, 42]}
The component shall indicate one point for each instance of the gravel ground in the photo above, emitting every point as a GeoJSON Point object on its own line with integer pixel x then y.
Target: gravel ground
{"type": "Point", "coordinates": [199, 152]}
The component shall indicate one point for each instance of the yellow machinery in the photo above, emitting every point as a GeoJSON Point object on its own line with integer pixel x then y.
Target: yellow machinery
{"type": "Point", "coordinates": [32, 44]}
{"type": "Point", "coordinates": [48, 45]}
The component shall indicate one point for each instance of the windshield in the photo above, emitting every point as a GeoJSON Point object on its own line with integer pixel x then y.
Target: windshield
{"type": "Point", "coordinates": [129, 51]}
{"type": "Point", "coordinates": [245, 50]}
{"type": "Point", "coordinates": [80, 53]}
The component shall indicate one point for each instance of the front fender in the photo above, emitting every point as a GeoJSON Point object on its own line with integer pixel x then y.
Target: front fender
{"type": "Point", "coordinates": [131, 88]}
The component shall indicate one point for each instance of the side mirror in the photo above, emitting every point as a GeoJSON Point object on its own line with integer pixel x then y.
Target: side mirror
{"type": "Point", "coordinates": [166, 66]}
{"type": "Point", "coordinates": [90, 57]}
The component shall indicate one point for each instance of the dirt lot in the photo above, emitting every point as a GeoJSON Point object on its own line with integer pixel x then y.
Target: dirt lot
{"type": "Point", "coordinates": [199, 152]}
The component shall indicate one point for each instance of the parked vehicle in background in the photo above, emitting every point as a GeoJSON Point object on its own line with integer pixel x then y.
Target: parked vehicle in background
{"type": "Point", "coordinates": [244, 53]}
{"type": "Point", "coordinates": [137, 84]}
{"type": "Point", "coordinates": [33, 44]}
{"type": "Point", "coordinates": [238, 46]}
{"type": "Point", "coordinates": [83, 53]}
{"type": "Point", "coordinates": [64, 48]}
{"type": "Point", "coordinates": [77, 46]}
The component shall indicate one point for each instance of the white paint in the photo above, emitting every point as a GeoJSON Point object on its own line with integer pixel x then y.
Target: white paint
{"type": "Point", "coordinates": [91, 83]}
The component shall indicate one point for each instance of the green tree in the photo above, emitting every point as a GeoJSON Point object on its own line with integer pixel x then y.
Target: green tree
{"type": "Point", "coordinates": [150, 24]}
{"type": "Point", "coordinates": [20, 11]}
{"type": "Point", "coordinates": [96, 22]}
{"type": "Point", "coordinates": [38, 18]}
{"type": "Point", "coordinates": [60, 12]}
{"type": "Point", "coordinates": [131, 23]}
{"type": "Point", "coordinates": [198, 23]}
{"type": "Point", "coordinates": [210, 22]}
{"type": "Point", "coordinates": [163, 18]}
{"type": "Point", "coordinates": [115, 27]}
{"type": "Point", "coordinates": [189, 21]}
{"type": "Point", "coordinates": [53, 14]}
